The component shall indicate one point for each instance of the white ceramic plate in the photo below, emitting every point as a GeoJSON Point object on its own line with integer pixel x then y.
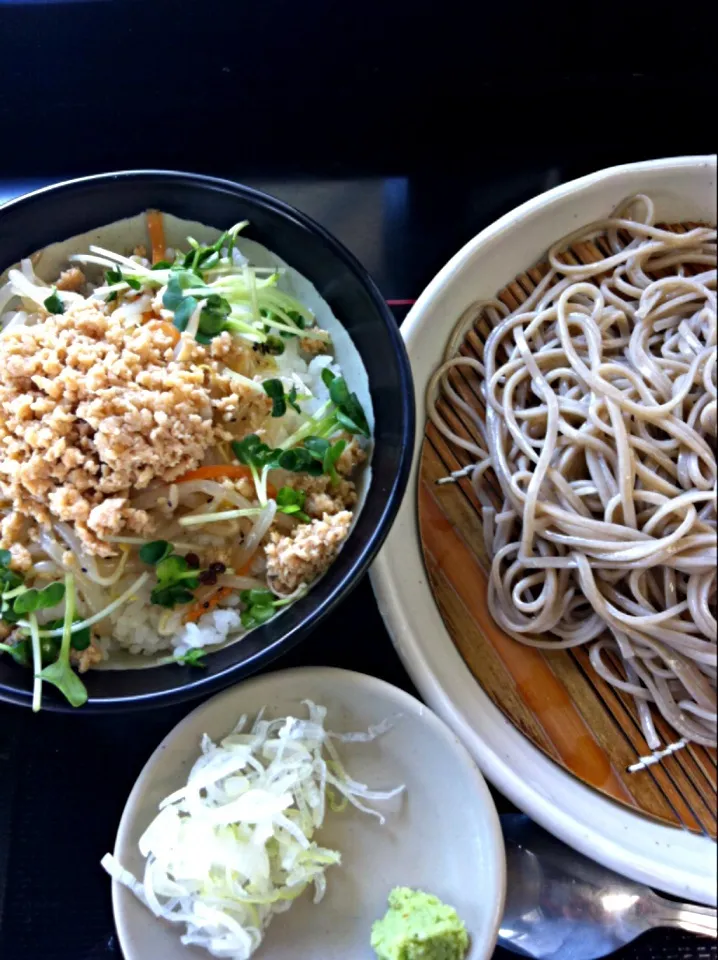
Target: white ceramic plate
{"type": "Point", "coordinates": [443, 837]}
{"type": "Point", "coordinates": [673, 860]}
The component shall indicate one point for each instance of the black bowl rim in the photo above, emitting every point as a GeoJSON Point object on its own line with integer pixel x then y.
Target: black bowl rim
{"type": "Point", "coordinates": [202, 686]}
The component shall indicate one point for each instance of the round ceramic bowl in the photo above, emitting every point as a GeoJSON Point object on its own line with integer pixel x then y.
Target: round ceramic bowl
{"type": "Point", "coordinates": [65, 210]}
{"type": "Point", "coordinates": [674, 860]}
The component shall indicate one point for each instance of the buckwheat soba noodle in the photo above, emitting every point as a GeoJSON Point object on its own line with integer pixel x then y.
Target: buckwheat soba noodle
{"type": "Point", "coordinates": [596, 468]}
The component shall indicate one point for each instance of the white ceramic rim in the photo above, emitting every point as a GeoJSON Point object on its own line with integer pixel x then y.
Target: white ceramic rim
{"type": "Point", "coordinates": [670, 859]}
{"type": "Point", "coordinates": [495, 854]}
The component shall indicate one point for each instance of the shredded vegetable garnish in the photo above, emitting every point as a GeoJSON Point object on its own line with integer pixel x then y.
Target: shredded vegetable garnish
{"type": "Point", "coordinates": [236, 844]}
{"type": "Point", "coordinates": [156, 230]}
{"type": "Point", "coordinates": [36, 665]}
{"type": "Point", "coordinates": [90, 621]}
{"type": "Point", "coordinates": [201, 607]}
{"type": "Point", "coordinates": [221, 517]}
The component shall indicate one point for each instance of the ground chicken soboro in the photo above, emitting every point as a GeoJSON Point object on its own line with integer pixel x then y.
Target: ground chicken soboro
{"type": "Point", "coordinates": [302, 555]}
{"type": "Point", "coordinates": [352, 456]}
{"type": "Point", "coordinates": [71, 279]}
{"type": "Point", "coordinates": [313, 345]}
{"type": "Point", "coordinates": [323, 496]}
{"type": "Point", "coordinates": [94, 407]}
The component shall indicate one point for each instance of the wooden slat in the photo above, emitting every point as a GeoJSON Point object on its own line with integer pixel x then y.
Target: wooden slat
{"type": "Point", "coordinates": [554, 697]}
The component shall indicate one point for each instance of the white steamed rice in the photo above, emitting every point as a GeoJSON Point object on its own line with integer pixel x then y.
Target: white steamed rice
{"type": "Point", "coordinates": [135, 627]}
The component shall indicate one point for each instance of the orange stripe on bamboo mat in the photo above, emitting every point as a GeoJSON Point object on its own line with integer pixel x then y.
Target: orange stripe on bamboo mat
{"type": "Point", "coordinates": [535, 682]}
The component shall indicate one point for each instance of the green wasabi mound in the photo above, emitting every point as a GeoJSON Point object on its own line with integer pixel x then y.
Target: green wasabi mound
{"type": "Point", "coordinates": [418, 926]}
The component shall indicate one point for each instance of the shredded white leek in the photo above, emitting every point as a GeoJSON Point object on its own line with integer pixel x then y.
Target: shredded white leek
{"type": "Point", "coordinates": [194, 519]}
{"type": "Point", "coordinates": [252, 384]}
{"type": "Point", "coordinates": [37, 294]}
{"type": "Point", "coordinates": [131, 265]}
{"type": "Point", "coordinates": [193, 325]}
{"type": "Point", "coordinates": [235, 844]}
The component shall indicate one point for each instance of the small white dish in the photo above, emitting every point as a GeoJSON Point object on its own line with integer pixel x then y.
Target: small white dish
{"type": "Point", "coordinates": [674, 860]}
{"type": "Point", "coordinates": [443, 836]}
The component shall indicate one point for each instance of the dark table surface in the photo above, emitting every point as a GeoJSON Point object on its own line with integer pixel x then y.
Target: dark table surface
{"type": "Point", "coordinates": [404, 129]}
{"type": "Point", "coordinates": [64, 778]}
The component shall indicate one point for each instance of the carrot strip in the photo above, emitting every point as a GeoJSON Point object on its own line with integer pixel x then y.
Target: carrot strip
{"type": "Point", "coordinates": [199, 609]}
{"type": "Point", "coordinates": [156, 230]}
{"type": "Point", "coordinates": [217, 471]}
{"type": "Point", "coordinates": [222, 471]}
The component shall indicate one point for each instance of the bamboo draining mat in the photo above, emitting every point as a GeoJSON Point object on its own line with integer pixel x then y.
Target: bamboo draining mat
{"type": "Point", "coordinates": [554, 697]}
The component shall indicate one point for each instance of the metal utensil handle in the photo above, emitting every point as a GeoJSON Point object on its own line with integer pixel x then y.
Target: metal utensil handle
{"type": "Point", "coordinates": [687, 916]}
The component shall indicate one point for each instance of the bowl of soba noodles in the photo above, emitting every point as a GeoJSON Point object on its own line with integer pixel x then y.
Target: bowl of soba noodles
{"type": "Point", "coordinates": [553, 564]}
{"type": "Point", "coordinates": [205, 422]}
{"type": "Point", "coordinates": [594, 461]}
